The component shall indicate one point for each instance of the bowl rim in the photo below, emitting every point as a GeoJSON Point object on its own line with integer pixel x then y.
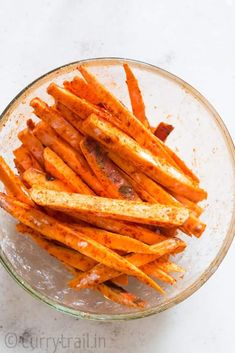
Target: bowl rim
{"type": "Point", "coordinates": [213, 265]}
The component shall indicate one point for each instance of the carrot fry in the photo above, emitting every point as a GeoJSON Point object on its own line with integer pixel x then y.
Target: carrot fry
{"type": "Point", "coordinates": [163, 130]}
{"type": "Point", "coordinates": [52, 228]}
{"type": "Point", "coordinates": [74, 159]}
{"type": "Point", "coordinates": [169, 266]}
{"type": "Point", "coordinates": [120, 296]}
{"type": "Point", "coordinates": [75, 261]}
{"type": "Point", "coordinates": [137, 102]}
{"type": "Point", "coordinates": [114, 241]}
{"type": "Point", "coordinates": [78, 105]}
{"type": "Point", "coordinates": [101, 273]}
{"type": "Point", "coordinates": [158, 169]}
{"type": "Point", "coordinates": [153, 270]}
{"type": "Point", "coordinates": [58, 169]}
{"type": "Point", "coordinates": [139, 212]}
{"type": "Point", "coordinates": [66, 255]}
{"type": "Point", "coordinates": [32, 144]}
{"type": "Point", "coordinates": [25, 159]}
{"type": "Point", "coordinates": [13, 184]}
{"type": "Point", "coordinates": [70, 116]}
{"type": "Point", "coordinates": [79, 87]}
{"type": "Point", "coordinates": [127, 122]}
{"type": "Point", "coordinates": [112, 180]}
{"type": "Point", "coordinates": [155, 193]}
{"type": "Point", "coordinates": [196, 209]}
{"type": "Point", "coordinates": [57, 122]}
{"type": "Point", "coordinates": [36, 177]}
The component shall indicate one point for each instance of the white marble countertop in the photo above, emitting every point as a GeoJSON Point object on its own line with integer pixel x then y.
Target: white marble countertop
{"type": "Point", "coordinates": [193, 39]}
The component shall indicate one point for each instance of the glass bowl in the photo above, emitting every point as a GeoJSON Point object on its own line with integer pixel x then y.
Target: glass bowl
{"type": "Point", "coordinates": [200, 138]}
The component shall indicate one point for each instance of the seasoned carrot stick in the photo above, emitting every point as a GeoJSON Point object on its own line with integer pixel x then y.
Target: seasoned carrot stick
{"type": "Point", "coordinates": [193, 225]}
{"type": "Point", "coordinates": [158, 169]}
{"type": "Point", "coordinates": [140, 212]}
{"type": "Point", "coordinates": [112, 179]}
{"type": "Point", "coordinates": [74, 159]}
{"type": "Point", "coordinates": [52, 228]}
{"type": "Point", "coordinates": [74, 260]}
{"type": "Point", "coordinates": [114, 241]}
{"type": "Point", "coordinates": [36, 177]}
{"type": "Point", "coordinates": [196, 209]}
{"type": "Point", "coordinates": [79, 87]}
{"type": "Point", "coordinates": [57, 122]}
{"type": "Point", "coordinates": [163, 130]}
{"type": "Point", "coordinates": [137, 102]}
{"type": "Point", "coordinates": [58, 169]}
{"type": "Point", "coordinates": [70, 116]}
{"type": "Point", "coordinates": [69, 256]}
{"type": "Point", "coordinates": [25, 159]}
{"type": "Point", "coordinates": [158, 273]}
{"type": "Point", "coordinates": [127, 122]}
{"type": "Point", "coordinates": [13, 184]}
{"type": "Point", "coordinates": [135, 231]}
{"type": "Point", "coordinates": [100, 273]}
{"type": "Point", "coordinates": [30, 141]}
{"type": "Point", "coordinates": [121, 280]}
{"type": "Point", "coordinates": [78, 105]}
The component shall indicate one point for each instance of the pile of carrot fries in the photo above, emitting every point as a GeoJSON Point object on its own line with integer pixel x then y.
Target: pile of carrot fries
{"type": "Point", "coordinates": [99, 189]}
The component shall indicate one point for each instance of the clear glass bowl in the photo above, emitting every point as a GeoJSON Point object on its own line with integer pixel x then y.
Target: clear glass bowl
{"type": "Point", "coordinates": [200, 138]}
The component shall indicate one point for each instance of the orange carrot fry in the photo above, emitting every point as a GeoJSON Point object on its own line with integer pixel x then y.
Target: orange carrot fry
{"type": "Point", "coordinates": [13, 184]}
{"type": "Point", "coordinates": [58, 169]}
{"type": "Point", "coordinates": [114, 241]}
{"type": "Point", "coordinates": [52, 228]}
{"type": "Point", "coordinates": [158, 273]}
{"type": "Point", "coordinates": [74, 159]}
{"type": "Point", "coordinates": [18, 167]}
{"type": "Point", "coordinates": [196, 209]}
{"type": "Point", "coordinates": [112, 179]}
{"type": "Point", "coordinates": [25, 159]}
{"type": "Point", "coordinates": [32, 144]}
{"type": "Point", "coordinates": [155, 193]}
{"type": "Point", "coordinates": [75, 261]}
{"type": "Point", "coordinates": [79, 87]}
{"type": "Point", "coordinates": [127, 122]}
{"type": "Point", "coordinates": [78, 105]}
{"type": "Point", "coordinates": [101, 273]}
{"type": "Point", "coordinates": [158, 169]}
{"type": "Point", "coordinates": [137, 102]}
{"type": "Point", "coordinates": [163, 130]}
{"type": "Point", "coordinates": [68, 256]}
{"type": "Point", "coordinates": [70, 116]}
{"type": "Point", "coordinates": [140, 212]}
{"type": "Point", "coordinates": [36, 177]}
{"type": "Point", "coordinates": [57, 122]}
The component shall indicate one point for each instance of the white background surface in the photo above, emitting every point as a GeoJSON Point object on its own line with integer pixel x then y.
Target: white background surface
{"type": "Point", "coordinates": [196, 41]}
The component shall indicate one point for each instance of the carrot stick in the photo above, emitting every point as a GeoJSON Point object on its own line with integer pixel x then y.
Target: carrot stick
{"type": "Point", "coordinates": [137, 102]}
{"type": "Point", "coordinates": [57, 122]}
{"type": "Point", "coordinates": [155, 193]}
{"type": "Point", "coordinates": [100, 273]}
{"type": "Point", "coordinates": [158, 169]}
{"type": "Point", "coordinates": [70, 116]}
{"type": "Point", "coordinates": [36, 177]}
{"type": "Point", "coordinates": [66, 255]}
{"type": "Point", "coordinates": [163, 130]}
{"type": "Point", "coordinates": [13, 184]}
{"type": "Point", "coordinates": [25, 159]}
{"type": "Point", "coordinates": [140, 212]}
{"type": "Point", "coordinates": [80, 88]}
{"type": "Point", "coordinates": [121, 280]}
{"type": "Point", "coordinates": [114, 241]}
{"type": "Point", "coordinates": [112, 180]}
{"type": "Point", "coordinates": [52, 228]}
{"type": "Point", "coordinates": [18, 167]}
{"type": "Point", "coordinates": [196, 209]}
{"type": "Point", "coordinates": [78, 105]}
{"type": "Point", "coordinates": [58, 169]}
{"type": "Point", "coordinates": [74, 159]}
{"type": "Point", "coordinates": [74, 260]}
{"type": "Point", "coordinates": [30, 141]}
{"type": "Point", "coordinates": [158, 273]}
